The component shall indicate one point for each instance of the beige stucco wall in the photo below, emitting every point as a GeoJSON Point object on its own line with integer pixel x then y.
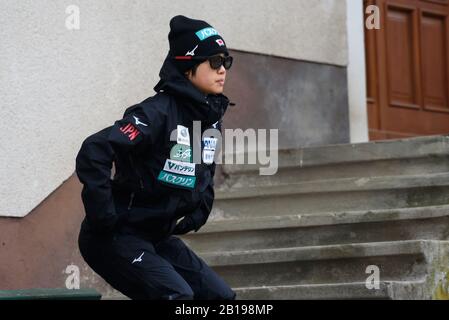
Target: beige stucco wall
{"type": "Point", "coordinates": [57, 86]}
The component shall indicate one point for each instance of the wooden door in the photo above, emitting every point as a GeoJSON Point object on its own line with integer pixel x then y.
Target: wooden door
{"type": "Point", "coordinates": [407, 63]}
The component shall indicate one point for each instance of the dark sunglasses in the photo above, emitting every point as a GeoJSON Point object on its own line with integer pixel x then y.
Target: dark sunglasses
{"type": "Point", "coordinates": [215, 61]}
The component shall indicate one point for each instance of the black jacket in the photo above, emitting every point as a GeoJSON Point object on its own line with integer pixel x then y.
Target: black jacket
{"type": "Point", "coordinates": [144, 196]}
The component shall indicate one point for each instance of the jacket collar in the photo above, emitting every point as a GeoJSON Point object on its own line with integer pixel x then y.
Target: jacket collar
{"type": "Point", "coordinates": [206, 108]}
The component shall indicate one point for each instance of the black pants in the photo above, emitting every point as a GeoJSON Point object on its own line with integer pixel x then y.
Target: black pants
{"type": "Point", "coordinates": [142, 269]}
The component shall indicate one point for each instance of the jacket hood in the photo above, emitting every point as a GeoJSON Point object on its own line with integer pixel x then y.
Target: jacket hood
{"type": "Point", "coordinates": [206, 108]}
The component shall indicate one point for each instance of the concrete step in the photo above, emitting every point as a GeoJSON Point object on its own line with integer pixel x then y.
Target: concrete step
{"type": "Point", "coordinates": [387, 290]}
{"type": "Point", "coordinates": [336, 185]}
{"type": "Point", "coordinates": [423, 223]}
{"type": "Point", "coordinates": [402, 167]}
{"type": "Point", "coordinates": [326, 264]}
{"type": "Point", "coordinates": [311, 230]}
{"type": "Point", "coordinates": [337, 291]}
{"type": "Point", "coordinates": [330, 196]}
{"type": "Point", "coordinates": [416, 156]}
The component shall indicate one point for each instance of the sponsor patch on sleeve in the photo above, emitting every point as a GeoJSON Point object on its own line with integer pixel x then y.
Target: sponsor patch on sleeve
{"type": "Point", "coordinates": [183, 135]}
{"type": "Point", "coordinates": [208, 156]}
{"type": "Point", "coordinates": [178, 167]}
{"type": "Point", "coordinates": [209, 143]}
{"type": "Point", "coordinates": [176, 179]}
{"type": "Point", "coordinates": [180, 152]}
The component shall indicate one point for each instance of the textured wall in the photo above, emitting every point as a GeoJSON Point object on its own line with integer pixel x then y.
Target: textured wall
{"type": "Point", "coordinates": [58, 86]}
{"type": "Point", "coordinates": [299, 29]}
{"type": "Point", "coordinates": [307, 102]}
{"type": "Point", "coordinates": [36, 250]}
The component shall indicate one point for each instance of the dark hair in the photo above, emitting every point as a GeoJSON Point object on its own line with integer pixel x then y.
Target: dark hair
{"type": "Point", "coordinates": [194, 69]}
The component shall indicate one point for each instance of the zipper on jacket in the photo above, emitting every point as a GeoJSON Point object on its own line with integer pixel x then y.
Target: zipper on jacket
{"type": "Point", "coordinates": [136, 171]}
{"type": "Point", "coordinates": [131, 201]}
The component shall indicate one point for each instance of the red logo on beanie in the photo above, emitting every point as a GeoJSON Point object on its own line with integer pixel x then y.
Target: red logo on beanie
{"type": "Point", "coordinates": [220, 42]}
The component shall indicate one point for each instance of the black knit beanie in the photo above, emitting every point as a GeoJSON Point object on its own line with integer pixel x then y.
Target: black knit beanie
{"type": "Point", "coordinates": [190, 37]}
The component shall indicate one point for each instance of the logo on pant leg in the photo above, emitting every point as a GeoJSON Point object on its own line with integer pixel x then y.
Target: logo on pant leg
{"type": "Point", "coordinates": [139, 259]}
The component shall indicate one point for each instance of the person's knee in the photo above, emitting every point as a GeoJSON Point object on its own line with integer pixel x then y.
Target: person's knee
{"type": "Point", "coordinates": [177, 291]}
{"type": "Point", "coordinates": [225, 294]}
{"type": "Point", "coordinates": [182, 295]}
{"type": "Point", "coordinates": [230, 295]}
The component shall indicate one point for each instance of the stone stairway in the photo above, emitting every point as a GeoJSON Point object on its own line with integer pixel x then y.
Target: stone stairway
{"type": "Point", "coordinates": [311, 230]}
